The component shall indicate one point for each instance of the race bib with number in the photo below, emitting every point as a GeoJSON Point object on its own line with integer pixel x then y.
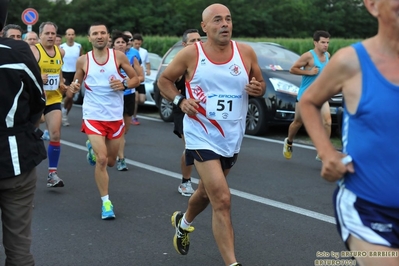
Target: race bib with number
{"type": "Point", "coordinates": [224, 106]}
{"type": "Point", "coordinates": [53, 82]}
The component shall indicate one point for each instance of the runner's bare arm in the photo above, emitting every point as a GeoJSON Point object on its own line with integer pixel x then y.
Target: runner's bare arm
{"type": "Point", "coordinates": [343, 67]}
{"type": "Point", "coordinates": [324, 87]}
{"type": "Point", "coordinates": [63, 88]}
{"type": "Point", "coordinates": [79, 74]}
{"type": "Point", "coordinates": [256, 86]}
{"type": "Point", "coordinates": [35, 52]}
{"type": "Point", "coordinates": [133, 80]}
{"type": "Point", "coordinates": [303, 61]}
{"type": "Point", "coordinates": [139, 70]}
{"type": "Point", "coordinates": [62, 51]}
{"type": "Point", "coordinates": [175, 70]}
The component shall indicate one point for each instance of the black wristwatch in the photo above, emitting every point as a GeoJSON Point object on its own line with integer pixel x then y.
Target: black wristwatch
{"type": "Point", "coordinates": [178, 99]}
{"type": "Point", "coordinates": [124, 82]}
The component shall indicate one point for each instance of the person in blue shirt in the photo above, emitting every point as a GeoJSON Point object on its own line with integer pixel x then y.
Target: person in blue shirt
{"type": "Point", "coordinates": [119, 42]}
{"type": "Point", "coordinates": [367, 196]}
{"type": "Point", "coordinates": [309, 65]}
{"type": "Point", "coordinates": [132, 53]}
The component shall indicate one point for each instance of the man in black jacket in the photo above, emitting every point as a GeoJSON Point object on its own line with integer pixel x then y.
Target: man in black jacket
{"type": "Point", "coordinates": [22, 101]}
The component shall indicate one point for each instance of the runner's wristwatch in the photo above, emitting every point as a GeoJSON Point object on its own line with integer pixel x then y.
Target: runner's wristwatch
{"type": "Point", "coordinates": [124, 82]}
{"type": "Point", "coordinates": [178, 99]}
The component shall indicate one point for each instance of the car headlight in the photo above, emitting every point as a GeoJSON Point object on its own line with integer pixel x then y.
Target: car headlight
{"type": "Point", "coordinates": [284, 86]}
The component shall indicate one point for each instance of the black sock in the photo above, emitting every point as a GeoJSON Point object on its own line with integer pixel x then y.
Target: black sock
{"type": "Point", "coordinates": [183, 180]}
{"type": "Point", "coordinates": [289, 142]}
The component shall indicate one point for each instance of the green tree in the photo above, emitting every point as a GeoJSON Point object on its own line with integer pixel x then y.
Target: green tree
{"type": "Point", "coordinates": [256, 18]}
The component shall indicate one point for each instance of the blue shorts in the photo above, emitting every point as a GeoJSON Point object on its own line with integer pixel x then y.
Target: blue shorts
{"type": "Point", "coordinates": [367, 221]}
{"type": "Point", "coordinates": [207, 155]}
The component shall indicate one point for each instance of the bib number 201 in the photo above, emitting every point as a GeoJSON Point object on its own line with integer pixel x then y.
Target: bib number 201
{"type": "Point", "coordinates": [52, 83]}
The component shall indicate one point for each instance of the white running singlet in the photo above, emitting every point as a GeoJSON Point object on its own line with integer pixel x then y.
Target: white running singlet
{"type": "Point", "coordinates": [101, 102]}
{"type": "Point", "coordinates": [220, 123]}
{"type": "Point", "coordinates": [144, 60]}
{"type": "Point", "coordinates": [72, 54]}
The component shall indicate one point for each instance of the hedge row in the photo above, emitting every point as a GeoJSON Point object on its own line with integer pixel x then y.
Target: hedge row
{"type": "Point", "coordinates": [161, 44]}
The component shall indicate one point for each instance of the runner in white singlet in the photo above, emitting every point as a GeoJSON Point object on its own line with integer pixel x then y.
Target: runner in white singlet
{"type": "Point", "coordinates": [72, 52]}
{"type": "Point", "coordinates": [220, 74]}
{"type": "Point", "coordinates": [103, 106]}
{"type": "Point", "coordinates": [222, 105]}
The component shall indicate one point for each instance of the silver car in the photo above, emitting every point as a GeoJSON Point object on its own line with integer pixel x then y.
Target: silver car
{"type": "Point", "coordinates": [155, 61]}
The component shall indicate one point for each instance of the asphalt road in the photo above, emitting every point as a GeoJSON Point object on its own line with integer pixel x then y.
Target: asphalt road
{"type": "Point", "coordinates": [281, 210]}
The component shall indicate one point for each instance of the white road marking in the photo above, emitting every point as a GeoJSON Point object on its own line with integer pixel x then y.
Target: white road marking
{"type": "Point", "coordinates": [246, 136]}
{"type": "Point", "coordinates": [238, 193]}
{"type": "Point", "coordinates": [280, 142]}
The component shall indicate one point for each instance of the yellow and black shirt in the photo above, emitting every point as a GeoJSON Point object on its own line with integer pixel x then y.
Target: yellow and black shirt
{"type": "Point", "coordinates": [52, 67]}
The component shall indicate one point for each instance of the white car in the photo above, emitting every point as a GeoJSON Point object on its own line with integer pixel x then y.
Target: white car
{"type": "Point", "coordinates": [155, 61]}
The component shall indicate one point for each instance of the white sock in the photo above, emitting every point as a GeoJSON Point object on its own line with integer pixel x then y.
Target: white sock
{"type": "Point", "coordinates": [234, 264]}
{"type": "Point", "coordinates": [184, 224]}
{"type": "Point", "coordinates": [105, 198]}
{"type": "Point", "coordinates": [64, 110]}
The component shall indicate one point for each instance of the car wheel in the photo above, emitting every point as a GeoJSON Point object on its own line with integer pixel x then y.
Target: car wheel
{"type": "Point", "coordinates": [256, 117]}
{"type": "Point", "coordinates": [78, 98]}
{"type": "Point", "coordinates": [166, 110]}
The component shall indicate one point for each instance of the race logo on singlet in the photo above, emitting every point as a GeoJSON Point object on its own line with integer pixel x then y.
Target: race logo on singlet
{"type": "Point", "coordinates": [111, 78]}
{"type": "Point", "coordinates": [199, 92]}
{"type": "Point", "coordinates": [235, 70]}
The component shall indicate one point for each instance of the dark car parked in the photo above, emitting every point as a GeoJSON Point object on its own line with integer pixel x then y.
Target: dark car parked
{"type": "Point", "coordinates": [277, 106]}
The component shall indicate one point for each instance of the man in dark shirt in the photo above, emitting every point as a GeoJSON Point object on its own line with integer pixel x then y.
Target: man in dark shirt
{"type": "Point", "coordinates": [22, 101]}
{"type": "Point", "coordinates": [190, 36]}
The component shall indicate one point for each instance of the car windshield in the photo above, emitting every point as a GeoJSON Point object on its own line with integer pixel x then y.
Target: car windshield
{"type": "Point", "coordinates": [273, 57]}
{"type": "Point", "coordinates": [172, 54]}
{"type": "Point", "coordinates": [155, 60]}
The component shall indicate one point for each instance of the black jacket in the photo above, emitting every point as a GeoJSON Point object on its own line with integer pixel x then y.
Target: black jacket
{"type": "Point", "coordinates": [22, 100]}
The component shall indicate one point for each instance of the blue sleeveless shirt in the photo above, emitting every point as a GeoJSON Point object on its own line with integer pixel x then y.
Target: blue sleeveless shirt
{"type": "Point", "coordinates": [307, 80]}
{"type": "Point", "coordinates": [131, 54]}
{"type": "Point", "coordinates": [370, 137]}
